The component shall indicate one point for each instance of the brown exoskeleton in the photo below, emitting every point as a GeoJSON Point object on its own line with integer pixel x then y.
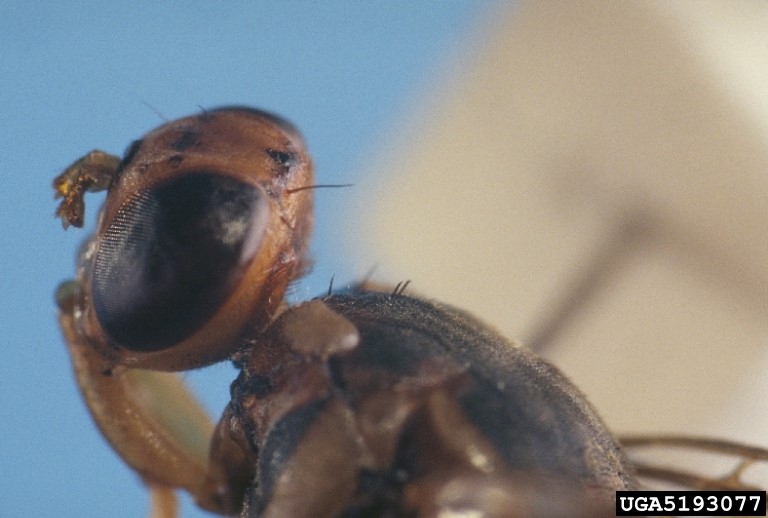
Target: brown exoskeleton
{"type": "Point", "coordinates": [359, 403]}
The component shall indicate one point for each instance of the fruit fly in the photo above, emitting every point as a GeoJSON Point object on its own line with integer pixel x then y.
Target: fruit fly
{"type": "Point", "coordinates": [363, 402]}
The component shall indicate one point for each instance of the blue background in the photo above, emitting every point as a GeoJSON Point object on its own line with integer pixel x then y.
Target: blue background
{"type": "Point", "coordinates": [75, 76]}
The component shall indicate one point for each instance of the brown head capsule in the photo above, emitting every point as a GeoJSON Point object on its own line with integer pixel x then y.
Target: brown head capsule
{"type": "Point", "coordinates": [199, 237]}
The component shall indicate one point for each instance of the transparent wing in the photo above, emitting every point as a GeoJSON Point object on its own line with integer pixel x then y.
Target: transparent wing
{"type": "Point", "coordinates": [697, 463]}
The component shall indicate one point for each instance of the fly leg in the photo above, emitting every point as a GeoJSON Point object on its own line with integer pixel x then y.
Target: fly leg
{"type": "Point", "coordinates": [153, 422]}
{"type": "Point", "coordinates": [93, 172]}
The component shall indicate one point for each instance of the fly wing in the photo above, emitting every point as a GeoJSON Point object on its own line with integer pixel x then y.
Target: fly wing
{"type": "Point", "coordinates": [668, 460]}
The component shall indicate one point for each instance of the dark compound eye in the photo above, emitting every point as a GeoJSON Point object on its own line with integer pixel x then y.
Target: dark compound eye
{"type": "Point", "coordinates": [172, 256]}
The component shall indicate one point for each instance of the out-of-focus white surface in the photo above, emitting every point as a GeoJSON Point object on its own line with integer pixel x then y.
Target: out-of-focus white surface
{"type": "Point", "coordinates": [527, 154]}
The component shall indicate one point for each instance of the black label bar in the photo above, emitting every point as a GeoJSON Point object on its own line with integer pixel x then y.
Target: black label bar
{"type": "Point", "coordinates": [690, 503]}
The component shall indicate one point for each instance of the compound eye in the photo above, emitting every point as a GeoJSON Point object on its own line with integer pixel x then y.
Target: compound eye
{"type": "Point", "coordinates": [172, 255]}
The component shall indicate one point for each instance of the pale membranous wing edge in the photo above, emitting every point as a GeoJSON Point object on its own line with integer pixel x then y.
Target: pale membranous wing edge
{"type": "Point", "coordinates": [744, 456]}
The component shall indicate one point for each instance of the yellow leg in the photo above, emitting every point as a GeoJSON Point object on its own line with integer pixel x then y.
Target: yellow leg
{"type": "Point", "coordinates": [93, 172]}
{"type": "Point", "coordinates": [156, 425]}
{"type": "Point", "coordinates": [164, 503]}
